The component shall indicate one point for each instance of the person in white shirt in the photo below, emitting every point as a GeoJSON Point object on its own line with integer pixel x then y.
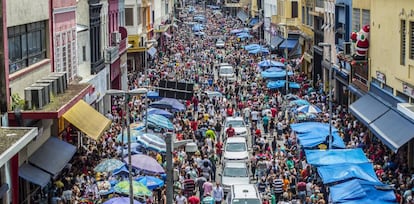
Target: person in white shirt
{"type": "Point", "coordinates": [218, 193]}
{"type": "Point", "coordinates": [180, 198]}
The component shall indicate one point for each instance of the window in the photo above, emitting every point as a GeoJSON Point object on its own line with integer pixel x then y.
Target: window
{"type": "Point", "coordinates": [356, 18]}
{"type": "Point", "coordinates": [365, 17]}
{"type": "Point", "coordinates": [129, 16]}
{"type": "Point", "coordinates": [303, 15]}
{"type": "Point", "coordinates": [27, 45]}
{"type": "Point", "coordinates": [403, 36]}
{"type": "Point", "coordinates": [84, 53]}
{"type": "Point", "coordinates": [294, 9]}
{"type": "Point", "coordinates": [412, 40]}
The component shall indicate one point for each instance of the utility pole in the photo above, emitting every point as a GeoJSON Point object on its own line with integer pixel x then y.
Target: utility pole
{"type": "Point", "coordinates": [170, 192]}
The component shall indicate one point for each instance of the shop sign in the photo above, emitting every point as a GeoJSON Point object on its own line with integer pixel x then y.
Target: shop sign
{"type": "Point", "coordinates": [408, 90]}
{"type": "Point", "coordinates": [380, 77]}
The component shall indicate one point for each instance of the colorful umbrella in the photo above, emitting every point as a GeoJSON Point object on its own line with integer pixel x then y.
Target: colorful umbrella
{"type": "Point", "coordinates": [137, 188]}
{"type": "Point", "coordinates": [160, 122]}
{"type": "Point", "coordinates": [109, 165]}
{"type": "Point", "coordinates": [120, 200]}
{"type": "Point", "coordinates": [145, 163]}
{"type": "Point", "coordinates": [152, 142]}
{"type": "Point", "coordinates": [151, 182]}
{"type": "Point", "coordinates": [309, 109]}
{"type": "Point", "coordinates": [158, 111]}
{"type": "Point", "coordinates": [133, 133]}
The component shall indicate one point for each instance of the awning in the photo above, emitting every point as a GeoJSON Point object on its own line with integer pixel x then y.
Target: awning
{"type": "Point", "coordinates": [393, 129]}
{"type": "Point", "coordinates": [53, 155]}
{"type": "Point", "coordinates": [355, 90]}
{"type": "Point", "coordinates": [167, 35]}
{"type": "Point", "coordinates": [34, 175]}
{"type": "Point", "coordinates": [275, 41]}
{"type": "Point", "coordinates": [87, 119]}
{"type": "Point", "coordinates": [289, 44]}
{"type": "Point", "coordinates": [367, 109]}
{"type": "Point", "coordinates": [255, 27]}
{"type": "Point", "coordinates": [253, 21]}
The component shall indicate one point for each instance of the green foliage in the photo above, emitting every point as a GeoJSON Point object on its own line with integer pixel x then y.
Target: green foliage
{"type": "Point", "coordinates": [17, 102]}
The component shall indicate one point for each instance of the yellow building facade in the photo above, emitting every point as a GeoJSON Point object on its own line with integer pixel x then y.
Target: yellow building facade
{"type": "Point", "coordinates": [392, 45]}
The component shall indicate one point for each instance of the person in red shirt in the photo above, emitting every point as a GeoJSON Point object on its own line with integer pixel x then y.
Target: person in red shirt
{"type": "Point", "coordinates": [194, 125]}
{"type": "Point", "coordinates": [219, 150]}
{"type": "Point", "coordinates": [230, 131]}
{"type": "Point", "coordinates": [230, 111]}
{"type": "Point", "coordinates": [193, 200]}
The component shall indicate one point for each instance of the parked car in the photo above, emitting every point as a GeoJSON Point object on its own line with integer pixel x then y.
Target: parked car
{"type": "Point", "coordinates": [226, 71]}
{"type": "Point", "coordinates": [235, 148]}
{"type": "Point", "coordinates": [234, 173]}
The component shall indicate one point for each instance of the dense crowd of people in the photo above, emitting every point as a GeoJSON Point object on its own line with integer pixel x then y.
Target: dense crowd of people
{"type": "Point", "coordinates": [277, 164]}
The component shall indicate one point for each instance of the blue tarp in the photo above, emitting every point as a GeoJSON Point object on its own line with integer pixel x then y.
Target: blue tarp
{"type": "Point", "coordinates": [357, 191]}
{"type": "Point", "coordinates": [160, 112]}
{"type": "Point", "coordinates": [294, 85]}
{"type": "Point", "coordinates": [252, 47]}
{"type": "Point", "coordinates": [274, 69]}
{"type": "Point", "coordinates": [153, 94]}
{"type": "Point", "coordinates": [240, 30]}
{"type": "Point", "coordinates": [244, 35]}
{"type": "Point", "coordinates": [342, 172]}
{"type": "Point", "coordinates": [316, 137]}
{"type": "Point", "coordinates": [335, 156]}
{"type": "Point", "coordinates": [270, 63]}
{"type": "Point", "coordinates": [197, 27]}
{"type": "Point", "coordinates": [289, 44]}
{"type": "Point", "coordinates": [268, 75]}
{"type": "Point", "coordinates": [306, 127]}
{"type": "Point", "coordinates": [168, 103]}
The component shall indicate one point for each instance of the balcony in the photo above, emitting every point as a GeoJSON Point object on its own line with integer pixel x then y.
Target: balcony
{"type": "Point", "coordinates": [111, 54]}
{"type": "Point", "coordinates": [123, 45]}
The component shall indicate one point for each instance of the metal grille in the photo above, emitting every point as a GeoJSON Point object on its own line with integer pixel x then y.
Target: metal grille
{"type": "Point", "coordinates": [365, 17]}
{"type": "Point", "coordinates": [356, 16]}
{"type": "Point", "coordinates": [403, 41]}
{"type": "Point", "coordinates": [412, 40]}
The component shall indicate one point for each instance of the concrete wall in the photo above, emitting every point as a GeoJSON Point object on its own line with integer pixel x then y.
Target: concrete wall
{"type": "Point", "coordinates": [158, 12]}
{"type": "Point", "coordinates": [26, 11]}
{"type": "Point", "coordinates": [385, 43]}
{"type": "Point", "coordinates": [82, 12]}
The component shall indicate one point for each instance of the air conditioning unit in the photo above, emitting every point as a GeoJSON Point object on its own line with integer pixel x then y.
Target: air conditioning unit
{"type": "Point", "coordinates": [347, 48]}
{"type": "Point", "coordinates": [115, 38]}
{"type": "Point", "coordinates": [34, 97]}
{"type": "Point", "coordinates": [53, 85]}
{"type": "Point", "coordinates": [62, 77]}
{"type": "Point", "coordinates": [61, 81]}
{"type": "Point", "coordinates": [111, 54]}
{"type": "Point", "coordinates": [48, 89]}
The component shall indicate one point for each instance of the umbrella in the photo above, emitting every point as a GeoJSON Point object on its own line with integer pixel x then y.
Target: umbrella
{"type": "Point", "coordinates": [158, 111]}
{"type": "Point", "coordinates": [151, 182]}
{"type": "Point", "coordinates": [138, 188]}
{"type": "Point", "coordinates": [152, 142]}
{"type": "Point", "coordinates": [276, 84]}
{"type": "Point", "coordinates": [145, 163]}
{"type": "Point", "coordinates": [261, 50]}
{"type": "Point", "coordinates": [252, 47]}
{"type": "Point", "coordinates": [124, 139]}
{"type": "Point", "coordinates": [241, 30]}
{"type": "Point", "coordinates": [120, 200]}
{"type": "Point", "coordinates": [299, 102]}
{"type": "Point", "coordinates": [168, 103]}
{"type": "Point", "coordinates": [123, 169]}
{"type": "Point", "coordinates": [270, 63]}
{"type": "Point", "coordinates": [153, 94]}
{"type": "Point", "coordinates": [160, 121]}
{"type": "Point", "coordinates": [108, 165]}
{"type": "Point", "coordinates": [274, 69]}
{"type": "Point", "coordinates": [212, 94]}
{"type": "Point", "coordinates": [309, 109]}
{"type": "Point", "coordinates": [294, 85]}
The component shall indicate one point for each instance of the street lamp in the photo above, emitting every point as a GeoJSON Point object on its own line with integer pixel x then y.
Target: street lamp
{"type": "Point", "coordinates": [285, 36]}
{"type": "Point", "coordinates": [126, 95]}
{"type": "Point", "coordinates": [330, 90]}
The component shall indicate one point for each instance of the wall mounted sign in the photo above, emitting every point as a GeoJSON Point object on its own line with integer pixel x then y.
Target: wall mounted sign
{"type": "Point", "coordinates": [380, 77]}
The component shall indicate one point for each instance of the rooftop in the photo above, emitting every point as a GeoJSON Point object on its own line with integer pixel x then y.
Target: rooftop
{"type": "Point", "coordinates": [13, 139]}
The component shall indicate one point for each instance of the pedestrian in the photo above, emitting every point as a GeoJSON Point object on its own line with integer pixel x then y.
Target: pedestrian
{"type": "Point", "coordinates": [180, 198]}
{"type": "Point", "coordinates": [218, 193]}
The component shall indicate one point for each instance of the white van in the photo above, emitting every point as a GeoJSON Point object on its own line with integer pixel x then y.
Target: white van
{"type": "Point", "coordinates": [226, 71]}
{"type": "Point", "coordinates": [243, 194]}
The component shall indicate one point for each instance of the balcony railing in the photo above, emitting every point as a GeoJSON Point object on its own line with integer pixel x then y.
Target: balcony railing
{"type": "Point", "coordinates": [123, 45]}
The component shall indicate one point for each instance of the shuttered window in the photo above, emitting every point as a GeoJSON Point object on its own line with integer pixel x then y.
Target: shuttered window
{"type": "Point", "coordinates": [412, 40]}
{"type": "Point", "coordinates": [365, 17]}
{"type": "Point", "coordinates": [403, 41]}
{"type": "Point", "coordinates": [356, 16]}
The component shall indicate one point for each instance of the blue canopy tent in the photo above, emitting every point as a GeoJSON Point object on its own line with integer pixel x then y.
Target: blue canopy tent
{"type": "Point", "coordinates": [294, 85]}
{"type": "Point", "coordinates": [274, 69]}
{"type": "Point", "coordinates": [197, 27]}
{"type": "Point", "coordinates": [213, 7]}
{"type": "Point", "coordinates": [153, 94]}
{"type": "Point", "coordinates": [335, 156]}
{"type": "Point", "coordinates": [199, 33]}
{"type": "Point", "coordinates": [309, 126]}
{"type": "Point", "coordinates": [252, 47]}
{"type": "Point", "coordinates": [358, 191]}
{"type": "Point", "coordinates": [343, 172]}
{"type": "Point", "coordinates": [275, 75]}
{"type": "Point", "coordinates": [244, 36]}
{"type": "Point", "coordinates": [270, 63]}
{"type": "Point", "coordinates": [276, 84]}
{"type": "Point", "coordinates": [260, 51]}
